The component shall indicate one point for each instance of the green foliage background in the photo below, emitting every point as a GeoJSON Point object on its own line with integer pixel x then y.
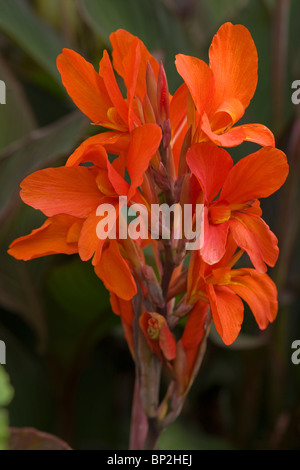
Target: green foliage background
{"type": "Point", "coordinates": [67, 360]}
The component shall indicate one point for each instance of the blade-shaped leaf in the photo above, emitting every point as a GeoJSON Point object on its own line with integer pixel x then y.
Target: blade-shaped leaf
{"type": "Point", "coordinates": [16, 117]}
{"type": "Point", "coordinates": [30, 33]}
{"type": "Point", "coordinates": [32, 439]}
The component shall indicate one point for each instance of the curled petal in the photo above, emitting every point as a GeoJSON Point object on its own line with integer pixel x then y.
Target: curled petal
{"type": "Point", "coordinates": [214, 240]}
{"type": "Point", "coordinates": [114, 271]}
{"type": "Point", "coordinates": [254, 236]}
{"type": "Point", "coordinates": [58, 234]}
{"type": "Point", "coordinates": [227, 311]}
{"type": "Point", "coordinates": [260, 293]}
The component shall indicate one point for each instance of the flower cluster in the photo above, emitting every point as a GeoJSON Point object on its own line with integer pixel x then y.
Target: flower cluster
{"type": "Point", "coordinates": [163, 148]}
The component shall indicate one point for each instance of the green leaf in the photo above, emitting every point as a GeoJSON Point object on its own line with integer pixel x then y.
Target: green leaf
{"type": "Point", "coordinates": [6, 395]}
{"type": "Point", "coordinates": [16, 117]}
{"type": "Point", "coordinates": [31, 34]}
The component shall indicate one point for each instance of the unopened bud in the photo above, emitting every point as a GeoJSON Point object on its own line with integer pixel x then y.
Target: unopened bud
{"type": "Point", "coordinates": [162, 95]}
{"type": "Point", "coordinates": [148, 112]}
{"type": "Point", "coordinates": [152, 88]}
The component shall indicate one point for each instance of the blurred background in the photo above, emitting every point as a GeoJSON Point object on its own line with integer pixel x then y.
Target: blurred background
{"type": "Point", "coordinates": [66, 359]}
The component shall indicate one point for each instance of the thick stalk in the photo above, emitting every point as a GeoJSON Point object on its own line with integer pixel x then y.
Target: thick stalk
{"type": "Point", "coordinates": [139, 422]}
{"type": "Point", "coordinates": [152, 435]}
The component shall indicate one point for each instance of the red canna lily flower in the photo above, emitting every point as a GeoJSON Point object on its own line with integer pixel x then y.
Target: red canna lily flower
{"type": "Point", "coordinates": [236, 209]}
{"type": "Point", "coordinates": [98, 95]}
{"type": "Point", "coordinates": [165, 150]}
{"type": "Point", "coordinates": [70, 196]}
{"type": "Point", "coordinates": [223, 288]}
{"type": "Point", "coordinates": [221, 91]}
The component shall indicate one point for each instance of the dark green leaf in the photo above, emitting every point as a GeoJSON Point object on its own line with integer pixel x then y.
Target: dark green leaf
{"type": "Point", "coordinates": [31, 34]}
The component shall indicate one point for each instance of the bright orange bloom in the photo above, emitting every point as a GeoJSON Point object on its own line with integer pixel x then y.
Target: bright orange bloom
{"type": "Point", "coordinates": [221, 91]}
{"type": "Point", "coordinates": [236, 209]}
{"type": "Point", "coordinates": [70, 196]}
{"type": "Point", "coordinates": [164, 149]}
{"type": "Point", "coordinates": [97, 94]}
{"type": "Point", "coordinates": [223, 288]}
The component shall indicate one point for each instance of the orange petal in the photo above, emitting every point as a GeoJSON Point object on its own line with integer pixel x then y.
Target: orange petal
{"type": "Point", "coordinates": [109, 79]}
{"type": "Point", "coordinates": [50, 238]}
{"type": "Point", "coordinates": [118, 182]}
{"type": "Point", "coordinates": [255, 176]}
{"type": "Point", "coordinates": [112, 142]}
{"type": "Point", "coordinates": [199, 80]}
{"type": "Point", "coordinates": [124, 309]}
{"type": "Point", "coordinates": [194, 328]}
{"type": "Point", "coordinates": [145, 142]}
{"type": "Point", "coordinates": [160, 339]}
{"type": "Point", "coordinates": [113, 270]}
{"type": "Point", "coordinates": [227, 311]}
{"type": "Point", "coordinates": [236, 135]}
{"type": "Point", "coordinates": [231, 138]}
{"type": "Point", "coordinates": [211, 165]}
{"type": "Point", "coordinates": [260, 293]}
{"type": "Point", "coordinates": [84, 85]}
{"type": "Point", "coordinates": [254, 236]}
{"type": "Point", "coordinates": [89, 243]}
{"type": "Point", "coordinates": [214, 241]}
{"type": "Point", "coordinates": [228, 113]}
{"type": "Point", "coordinates": [125, 46]}
{"type": "Point", "coordinates": [178, 120]}
{"type": "Point", "coordinates": [192, 337]}
{"type": "Point", "coordinates": [233, 61]}
{"type": "Point", "coordinates": [62, 190]}
{"type": "Point", "coordinates": [259, 134]}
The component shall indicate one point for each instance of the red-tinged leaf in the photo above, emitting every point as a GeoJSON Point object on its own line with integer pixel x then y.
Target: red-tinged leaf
{"type": "Point", "coordinates": [32, 439]}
